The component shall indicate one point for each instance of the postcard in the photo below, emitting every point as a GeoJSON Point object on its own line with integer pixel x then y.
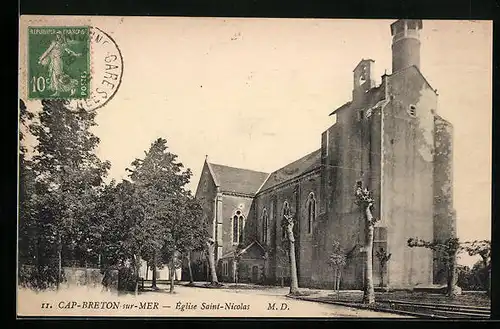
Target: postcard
{"type": "Point", "coordinates": [254, 167]}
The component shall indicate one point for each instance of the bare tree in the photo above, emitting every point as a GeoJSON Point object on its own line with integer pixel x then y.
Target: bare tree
{"type": "Point", "coordinates": [383, 257]}
{"type": "Point", "coordinates": [283, 262]}
{"type": "Point", "coordinates": [236, 262]}
{"type": "Point", "coordinates": [365, 202]}
{"type": "Point", "coordinates": [294, 282]}
{"type": "Point", "coordinates": [211, 261]}
{"type": "Point", "coordinates": [337, 261]}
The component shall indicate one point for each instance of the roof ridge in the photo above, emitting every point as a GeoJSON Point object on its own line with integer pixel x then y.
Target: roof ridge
{"type": "Point", "coordinates": [302, 157]}
{"type": "Point", "coordinates": [239, 168]}
{"type": "Point", "coordinates": [214, 177]}
{"type": "Point", "coordinates": [264, 182]}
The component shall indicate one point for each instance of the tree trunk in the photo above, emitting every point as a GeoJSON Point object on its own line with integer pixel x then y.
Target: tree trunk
{"type": "Point", "coordinates": [335, 279]}
{"type": "Point", "coordinates": [190, 270]}
{"type": "Point", "coordinates": [211, 260]}
{"type": "Point", "coordinates": [369, 291]}
{"type": "Point", "coordinates": [59, 262]}
{"type": "Point", "coordinates": [235, 280]}
{"type": "Point", "coordinates": [266, 267]}
{"type": "Point", "coordinates": [153, 283]}
{"type": "Point", "coordinates": [294, 284]}
{"type": "Point", "coordinates": [487, 276]}
{"type": "Point", "coordinates": [381, 276]}
{"type": "Point", "coordinates": [136, 274]}
{"type": "Point", "coordinates": [340, 278]}
{"type": "Point", "coordinates": [172, 274]}
{"type": "Point", "coordinates": [451, 290]}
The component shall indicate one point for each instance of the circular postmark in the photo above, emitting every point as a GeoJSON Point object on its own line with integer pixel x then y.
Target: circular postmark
{"type": "Point", "coordinates": [106, 71]}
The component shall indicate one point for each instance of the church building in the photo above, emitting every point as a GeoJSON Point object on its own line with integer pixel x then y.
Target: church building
{"type": "Point", "coordinates": [391, 137]}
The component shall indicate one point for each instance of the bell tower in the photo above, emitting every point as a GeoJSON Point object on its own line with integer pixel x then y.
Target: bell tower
{"type": "Point", "coordinates": [405, 43]}
{"type": "Point", "coordinates": [363, 78]}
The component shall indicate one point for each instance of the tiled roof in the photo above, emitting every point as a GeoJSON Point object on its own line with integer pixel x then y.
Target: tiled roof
{"type": "Point", "coordinates": [294, 169]}
{"type": "Point", "coordinates": [237, 180]}
{"type": "Point", "coordinates": [341, 108]}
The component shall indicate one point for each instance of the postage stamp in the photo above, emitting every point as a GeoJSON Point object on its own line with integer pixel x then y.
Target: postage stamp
{"type": "Point", "coordinates": [230, 172]}
{"type": "Point", "coordinates": [59, 62]}
{"type": "Point", "coordinates": [106, 70]}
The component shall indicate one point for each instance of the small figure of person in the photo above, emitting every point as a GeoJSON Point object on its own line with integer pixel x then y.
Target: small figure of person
{"type": "Point", "coordinates": [59, 81]}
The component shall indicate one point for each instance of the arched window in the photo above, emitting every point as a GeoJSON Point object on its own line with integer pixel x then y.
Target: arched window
{"type": "Point", "coordinates": [238, 226]}
{"type": "Point", "coordinates": [265, 224]}
{"type": "Point", "coordinates": [286, 212]}
{"type": "Point", "coordinates": [311, 212]}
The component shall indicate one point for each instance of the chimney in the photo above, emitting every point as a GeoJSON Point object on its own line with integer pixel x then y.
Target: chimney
{"type": "Point", "coordinates": [405, 43]}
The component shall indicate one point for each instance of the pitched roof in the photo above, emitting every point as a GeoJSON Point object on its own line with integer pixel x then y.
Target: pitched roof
{"type": "Point", "coordinates": [237, 180]}
{"type": "Point", "coordinates": [230, 254]}
{"type": "Point", "coordinates": [341, 108]}
{"type": "Point", "coordinates": [293, 170]}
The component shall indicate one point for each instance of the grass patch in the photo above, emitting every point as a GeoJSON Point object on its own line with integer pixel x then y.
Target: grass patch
{"type": "Point", "coordinates": [248, 287]}
{"type": "Point", "coordinates": [416, 297]}
{"type": "Point", "coordinates": [216, 285]}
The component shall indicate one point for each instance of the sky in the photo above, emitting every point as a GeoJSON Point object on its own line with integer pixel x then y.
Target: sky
{"type": "Point", "coordinates": [257, 93]}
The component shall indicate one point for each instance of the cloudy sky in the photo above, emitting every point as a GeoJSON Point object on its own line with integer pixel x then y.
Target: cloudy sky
{"type": "Point", "coordinates": [256, 93]}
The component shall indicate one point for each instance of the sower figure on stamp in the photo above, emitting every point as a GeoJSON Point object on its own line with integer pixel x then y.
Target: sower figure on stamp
{"type": "Point", "coordinates": [53, 57]}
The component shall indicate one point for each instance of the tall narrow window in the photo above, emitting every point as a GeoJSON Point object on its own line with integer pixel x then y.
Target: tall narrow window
{"type": "Point", "coordinates": [311, 212]}
{"type": "Point", "coordinates": [265, 223]}
{"type": "Point", "coordinates": [238, 226]}
{"type": "Point", "coordinates": [235, 229]}
{"type": "Point", "coordinates": [286, 212]}
{"type": "Point", "coordinates": [241, 224]}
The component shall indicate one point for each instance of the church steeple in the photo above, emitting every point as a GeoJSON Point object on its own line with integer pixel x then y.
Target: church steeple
{"type": "Point", "coordinates": [405, 43]}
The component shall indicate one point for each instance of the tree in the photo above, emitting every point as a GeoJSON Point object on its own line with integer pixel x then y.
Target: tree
{"type": "Point", "coordinates": [159, 182]}
{"type": "Point", "coordinates": [383, 258]}
{"type": "Point", "coordinates": [236, 261]}
{"type": "Point", "coordinates": [197, 234]}
{"type": "Point", "coordinates": [27, 222]}
{"type": "Point", "coordinates": [337, 261]}
{"type": "Point", "coordinates": [364, 201]}
{"type": "Point", "coordinates": [288, 224]}
{"type": "Point", "coordinates": [282, 262]}
{"type": "Point", "coordinates": [483, 249]}
{"type": "Point", "coordinates": [185, 231]}
{"type": "Point", "coordinates": [210, 243]}
{"type": "Point", "coordinates": [68, 176]}
{"type": "Point", "coordinates": [447, 250]}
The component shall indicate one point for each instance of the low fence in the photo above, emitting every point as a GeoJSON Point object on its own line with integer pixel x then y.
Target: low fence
{"type": "Point", "coordinates": [70, 276]}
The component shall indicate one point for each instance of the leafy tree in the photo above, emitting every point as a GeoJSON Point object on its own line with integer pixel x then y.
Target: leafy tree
{"type": "Point", "coordinates": [483, 249]}
{"type": "Point", "coordinates": [159, 182]}
{"type": "Point", "coordinates": [196, 240]}
{"type": "Point", "coordinates": [383, 258]}
{"type": "Point", "coordinates": [447, 250]}
{"type": "Point", "coordinates": [364, 201]}
{"type": "Point", "coordinates": [337, 261]}
{"type": "Point", "coordinates": [288, 224]}
{"type": "Point", "coordinates": [27, 224]}
{"type": "Point", "coordinates": [68, 175]}
{"type": "Point", "coordinates": [123, 230]}
{"type": "Point", "coordinates": [185, 231]}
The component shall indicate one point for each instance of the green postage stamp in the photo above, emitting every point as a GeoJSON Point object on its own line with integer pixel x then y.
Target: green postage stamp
{"type": "Point", "coordinates": [59, 62]}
